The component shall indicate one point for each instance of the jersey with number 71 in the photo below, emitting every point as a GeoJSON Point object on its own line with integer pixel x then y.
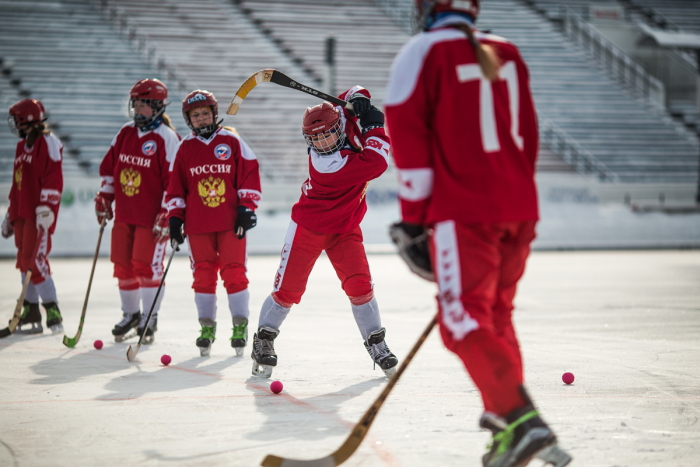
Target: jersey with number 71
{"type": "Point", "coordinates": [465, 148]}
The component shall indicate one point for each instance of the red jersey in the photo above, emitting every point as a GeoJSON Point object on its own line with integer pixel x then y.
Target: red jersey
{"type": "Point", "coordinates": [135, 171]}
{"type": "Point", "coordinates": [333, 197]}
{"type": "Point", "coordinates": [37, 178]}
{"type": "Point", "coordinates": [464, 147]}
{"type": "Point", "coordinates": [210, 179]}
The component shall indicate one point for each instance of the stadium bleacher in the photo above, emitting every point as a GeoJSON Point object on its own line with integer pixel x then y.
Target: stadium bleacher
{"type": "Point", "coordinates": [78, 67]}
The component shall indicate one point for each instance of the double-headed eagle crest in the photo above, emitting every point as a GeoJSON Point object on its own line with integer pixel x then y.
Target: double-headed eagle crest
{"type": "Point", "coordinates": [130, 180]}
{"type": "Point", "coordinates": [18, 178]}
{"type": "Point", "coordinates": [212, 191]}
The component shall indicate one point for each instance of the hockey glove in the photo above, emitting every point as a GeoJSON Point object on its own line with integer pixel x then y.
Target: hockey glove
{"type": "Point", "coordinates": [245, 221]}
{"type": "Point", "coordinates": [44, 217]}
{"type": "Point", "coordinates": [103, 207]}
{"type": "Point", "coordinates": [175, 231]}
{"type": "Point", "coordinates": [161, 229]}
{"type": "Point", "coordinates": [360, 104]}
{"type": "Point", "coordinates": [7, 229]}
{"type": "Point", "coordinates": [412, 241]}
{"type": "Point", "coordinates": [374, 118]}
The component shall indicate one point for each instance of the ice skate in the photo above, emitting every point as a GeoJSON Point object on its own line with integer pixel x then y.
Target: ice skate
{"type": "Point", "coordinates": [126, 328]}
{"type": "Point", "coordinates": [206, 338]}
{"type": "Point", "coordinates": [380, 353]}
{"type": "Point", "coordinates": [150, 332]}
{"type": "Point", "coordinates": [54, 320]}
{"type": "Point", "coordinates": [264, 356]}
{"type": "Point", "coordinates": [515, 444]}
{"type": "Point", "coordinates": [240, 335]}
{"type": "Point", "coordinates": [30, 319]}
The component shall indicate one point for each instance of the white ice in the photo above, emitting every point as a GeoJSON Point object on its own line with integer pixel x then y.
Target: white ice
{"type": "Point", "coordinates": [626, 324]}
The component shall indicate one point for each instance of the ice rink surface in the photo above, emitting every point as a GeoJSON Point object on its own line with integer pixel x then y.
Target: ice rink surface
{"type": "Point", "coordinates": [627, 324]}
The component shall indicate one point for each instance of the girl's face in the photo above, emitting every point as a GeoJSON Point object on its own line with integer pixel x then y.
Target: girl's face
{"type": "Point", "coordinates": [201, 116]}
{"type": "Point", "coordinates": [142, 108]}
{"type": "Point", "coordinates": [324, 140]}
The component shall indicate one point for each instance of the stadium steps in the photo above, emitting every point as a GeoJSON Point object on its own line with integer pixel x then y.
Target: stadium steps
{"type": "Point", "coordinates": [79, 67]}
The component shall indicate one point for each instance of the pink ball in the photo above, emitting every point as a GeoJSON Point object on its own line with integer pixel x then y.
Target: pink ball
{"type": "Point", "coordinates": [98, 344]}
{"type": "Point", "coordinates": [567, 377]}
{"type": "Point", "coordinates": [165, 359]}
{"type": "Point", "coordinates": [276, 387]}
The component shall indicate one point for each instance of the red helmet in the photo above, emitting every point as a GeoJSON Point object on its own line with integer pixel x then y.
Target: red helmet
{"type": "Point", "coordinates": [426, 10]}
{"type": "Point", "coordinates": [200, 98]}
{"type": "Point", "coordinates": [323, 119]}
{"type": "Point", "coordinates": [154, 93]}
{"type": "Point", "coordinates": [23, 113]}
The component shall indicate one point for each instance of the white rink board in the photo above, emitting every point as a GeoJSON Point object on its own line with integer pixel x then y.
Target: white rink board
{"type": "Point", "coordinates": [625, 323]}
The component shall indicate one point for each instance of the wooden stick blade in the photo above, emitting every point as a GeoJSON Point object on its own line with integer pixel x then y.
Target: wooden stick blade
{"type": "Point", "coordinates": [274, 461]}
{"type": "Point", "coordinates": [247, 86]}
{"type": "Point", "coordinates": [131, 353]}
{"type": "Point", "coordinates": [70, 341]}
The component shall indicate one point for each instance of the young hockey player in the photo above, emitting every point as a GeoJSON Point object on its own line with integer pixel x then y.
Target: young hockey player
{"type": "Point", "coordinates": [214, 191]}
{"type": "Point", "coordinates": [343, 158]}
{"type": "Point", "coordinates": [35, 196]}
{"type": "Point", "coordinates": [135, 174]}
{"type": "Point", "coordinates": [463, 123]}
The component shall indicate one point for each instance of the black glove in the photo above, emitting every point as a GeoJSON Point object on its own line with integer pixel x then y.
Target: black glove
{"type": "Point", "coordinates": [361, 104]}
{"type": "Point", "coordinates": [176, 237]}
{"type": "Point", "coordinates": [412, 241]}
{"type": "Point", "coordinates": [246, 220]}
{"type": "Point", "coordinates": [373, 118]}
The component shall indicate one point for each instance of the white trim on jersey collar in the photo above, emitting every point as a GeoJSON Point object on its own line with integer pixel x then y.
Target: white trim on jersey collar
{"type": "Point", "coordinates": [328, 164]}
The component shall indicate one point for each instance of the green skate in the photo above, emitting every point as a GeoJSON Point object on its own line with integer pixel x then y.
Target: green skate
{"type": "Point", "coordinates": [240, 334]}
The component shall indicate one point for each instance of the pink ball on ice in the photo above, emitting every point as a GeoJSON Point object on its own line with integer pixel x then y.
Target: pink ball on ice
{"type": "Point", "coordinates": [98, 344]}
{"type": "Point", "coordinates": [165, 359]}
{"type": "Point", "coordinates": [567, 377]}
{"type": "Point", "coordinates": [276, 387]}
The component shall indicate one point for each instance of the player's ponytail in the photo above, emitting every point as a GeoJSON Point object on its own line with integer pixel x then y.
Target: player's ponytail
{"type": "Point", "coordinates": [35, 132]}
{"type": "Point", "coordinates": [485, 54]}
{"type": "Point", "coordinates": [167, 121]}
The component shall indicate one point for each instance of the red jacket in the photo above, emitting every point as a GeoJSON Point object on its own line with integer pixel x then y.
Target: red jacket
{"type": "Point", "coordinates": [37, 178]}
{"type": "Point", "coordinates": [464, 147]}
{"type": "Point", "coordinates": [135, 171]}
{"type": "Point", "coordinates": [333, 197]}
{"type": "Point", "coordinates": [210, 179]}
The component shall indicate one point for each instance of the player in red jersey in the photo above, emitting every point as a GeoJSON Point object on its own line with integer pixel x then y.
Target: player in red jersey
{"type": "Point", "coordinates": [135, 175]}
{"type": "Point", "coordinates": [465, 141]}
{"type": "Point", "coordinates": [35, 196]}
{"type": "Point", "coordinates": [214, 191]}
{"type": "Point", "coordinates": [343, 158]}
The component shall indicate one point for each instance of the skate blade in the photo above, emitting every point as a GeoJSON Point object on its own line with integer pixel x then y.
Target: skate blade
{"type": "Point", "coordinates": [390, 372]}
{"type": "Point", "coordinates": [124, 337]}
{"type": "Point", "coordinates": [34, 328]}
{"type": "Point", "coordinates": [57, 328]}
{"type": "Point", "coordinates": [239, 351]}
{"type": "Point", "coordinates": [262, 371]}
{"type": "Point", "coordinates": [554, 455]}
{"type": "Point", "coordinates": [204, 351]}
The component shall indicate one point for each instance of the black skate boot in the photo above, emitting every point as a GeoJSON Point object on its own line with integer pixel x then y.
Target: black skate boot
{"type": "Point", "coordinates": [53, 317]}
{"type": "Point", "coordinates": [30, 319]}
{"type": "Point", "coordinates": [206, 337]}
{"type": "Point", "coordinates": [380, 353]}
{"type": "Point", "coordinates": [128, 323]}
{"type": "Point", "coordinates": [240, 334]}
{"type": "Point", "coordinates": [552, 454]}
{"type": "Point", "coordinates": [519, 438]}
{"type": "Point", "coordinates": [150, 332]}
{"type": "Point", "coordinates": [264, 356]}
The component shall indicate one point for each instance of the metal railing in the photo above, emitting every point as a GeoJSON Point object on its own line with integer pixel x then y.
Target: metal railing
{"type": "Point", "coordinates": [617, 63]}
{"type": "Point", "coordinates": [144, 44]}
{"type": "Point", "coordinates": [572, 153]}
